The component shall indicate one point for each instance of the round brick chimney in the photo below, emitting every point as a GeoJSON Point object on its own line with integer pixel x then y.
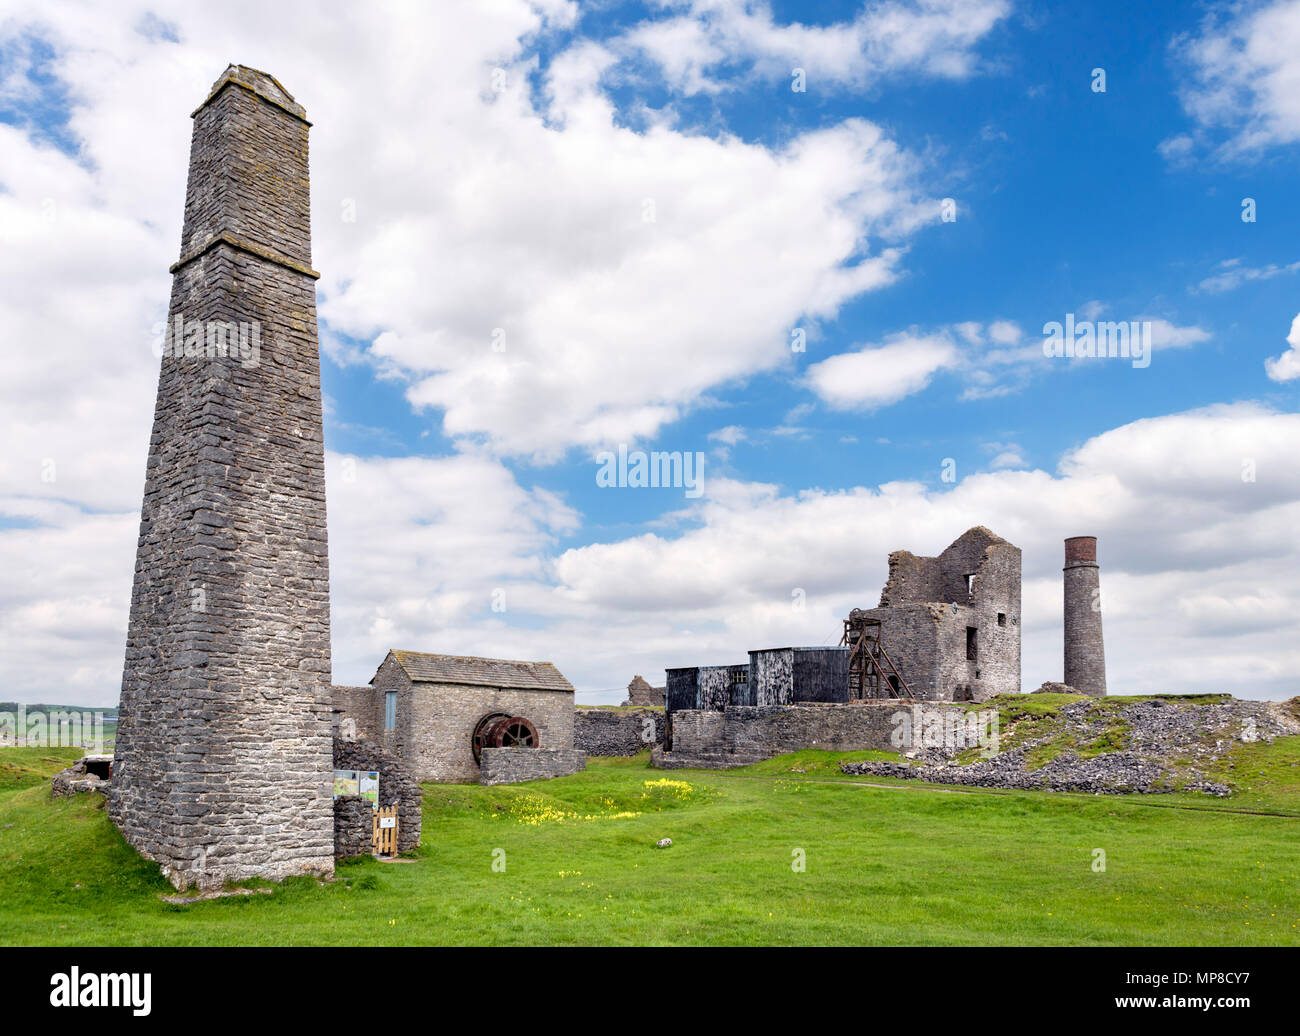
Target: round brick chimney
{"type": "Point", "coordinates": [1085, 654]}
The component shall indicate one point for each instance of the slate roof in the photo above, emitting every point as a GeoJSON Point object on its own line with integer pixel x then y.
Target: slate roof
{"type": "Point", "coordinates": [482, 672]}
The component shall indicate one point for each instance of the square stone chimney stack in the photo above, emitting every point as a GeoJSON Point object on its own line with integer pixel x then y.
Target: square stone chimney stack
{"type": "Point", "coordinates": [224, 754]}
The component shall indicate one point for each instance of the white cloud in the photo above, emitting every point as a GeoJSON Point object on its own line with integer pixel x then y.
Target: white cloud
{"type": "Point", "coordinates": [991, 360]}
{"type": "Point", "coordinates": [1286, 367]}
{"type": "Point", "coordinates": [1231, 274]}
{"type": "Point", "coordinates": [881, 374]}
{"type": "Point", "coordinates": [1242, 83]}
{"type": "Point", "coordinates": [933, 38]}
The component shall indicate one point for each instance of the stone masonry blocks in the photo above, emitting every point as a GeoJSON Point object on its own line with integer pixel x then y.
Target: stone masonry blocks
{"type": "Point", "coordinates": [223, 753]}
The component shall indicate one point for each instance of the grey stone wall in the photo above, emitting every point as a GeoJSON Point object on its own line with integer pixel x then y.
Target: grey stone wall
{"type": "Point", "coordinates": [599, 731]}
{"type": "Point", "coordinates": [1085, 652]}
{"type": "Point", "coordinates": [223, 743]}
{"type": "Point", "coordinates": [397, 786]}
{"type": "Point", "coordinates": [640, 692]}
{"type": "Point", "coordinates": [436, 721]}
{"type": "Point", "coordinates": [748, 734]}
{"type": "Point", "coordinates": [362, 706]}
{"type": "Point", "coordinates": [512, 765]}
{"type": "Point", "coordinates": [354, 827]}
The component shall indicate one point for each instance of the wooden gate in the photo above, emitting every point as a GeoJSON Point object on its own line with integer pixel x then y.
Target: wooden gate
{"type": "Point", "coordinates": [383, 841]}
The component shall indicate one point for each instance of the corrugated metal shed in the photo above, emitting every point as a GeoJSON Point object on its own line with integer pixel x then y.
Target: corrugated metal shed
{"type": "Point", "coordinates": [481, 672]}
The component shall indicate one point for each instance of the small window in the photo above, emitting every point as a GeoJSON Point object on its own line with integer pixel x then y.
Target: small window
{"type": "Point", "coordinates": [971, 649]}
{"type": "Point", "coordinates": [390, 710]}
{"type": "Point", "coordinates": [1002, 618]}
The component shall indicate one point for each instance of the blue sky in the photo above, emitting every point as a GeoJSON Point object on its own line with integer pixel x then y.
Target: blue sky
{"type": "Point", "coordinates": [496, 162]}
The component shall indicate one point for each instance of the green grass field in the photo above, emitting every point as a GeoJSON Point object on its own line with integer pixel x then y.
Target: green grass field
{"type": "Point", "coordinates": [886, 863]}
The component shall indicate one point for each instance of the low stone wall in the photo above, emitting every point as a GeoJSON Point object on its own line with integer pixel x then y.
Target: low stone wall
{"type": "Point", "coordinates": [353, 826]}
{"type": "Point", "coordinates": [77, 779]}
{"type": "Point", "coordinates": [745, 734]}
{"type": "Point", "coordinates": [396, 786]}
{"type": "Point", "coordinates": [622, 731]}
{"type": "Point", "coordinates": [512, 765]}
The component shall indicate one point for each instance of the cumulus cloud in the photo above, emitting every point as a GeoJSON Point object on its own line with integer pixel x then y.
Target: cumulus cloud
{"type": "Point", "coordinates": [1286, 367]}
{"type": "Point", "coordinates": [990, 360]}
{"type": "Point", "coordinates": [1194, 512]}
{"type": "Point", "coordinates": [933, 38]}
{"type": "Point", "coordinates": [881, 374]}
{"type": "Point", "coordinates": [1242, 79]}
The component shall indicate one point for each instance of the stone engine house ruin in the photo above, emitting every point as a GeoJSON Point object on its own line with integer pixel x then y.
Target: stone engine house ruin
{"type": "Point", "coordinates": [951, 624]}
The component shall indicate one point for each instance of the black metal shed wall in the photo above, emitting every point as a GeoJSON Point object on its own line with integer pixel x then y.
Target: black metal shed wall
{"type": "Point", "coordinates": [821, 674]}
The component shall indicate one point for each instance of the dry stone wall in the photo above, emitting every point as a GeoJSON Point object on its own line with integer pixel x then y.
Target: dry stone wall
{"type": "Point", "coordinates": [512, 765]}
{"type": "Point", "coordinates": [397, 786]}
{"type": "Point", "coordinates": [748, 734]}
{"type": "Point", "coordinates": [617, 731]}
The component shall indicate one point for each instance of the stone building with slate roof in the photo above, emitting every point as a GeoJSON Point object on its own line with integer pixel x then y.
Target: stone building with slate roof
{"type": "Point", "coordinates": [434, 712]}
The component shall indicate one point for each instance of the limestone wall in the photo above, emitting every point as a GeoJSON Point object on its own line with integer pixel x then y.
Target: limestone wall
{"type": "Point", "coordinates": [512, 765]}
{"type": "Point", "coordinates": [748, 734]}
{"type": "Point", "coordinates": [617, 731]}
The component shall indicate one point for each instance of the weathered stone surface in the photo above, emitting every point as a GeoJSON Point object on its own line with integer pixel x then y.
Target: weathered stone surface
{"type": "Point", "coordinates": [512, 765]}
{"type": "Point", "coordinates": [746, 734]}
{"type": "Point", "coordinates": [354, 827]}
{"type": "Point", "coordinates": [640, 692]}
{"type": "Point", "coordinates": [79, 778]}
{"type": "Point", "coordinates": [622, 731]}
{"type": "Point", "coordinates": [928, 606]}
{"type": "Point", "coordinates": [223, 743]}
{"type": "Point", "coordinates": [1164, 746]}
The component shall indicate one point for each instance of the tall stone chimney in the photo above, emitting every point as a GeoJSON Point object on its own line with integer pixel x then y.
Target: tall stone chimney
{"type": "Point", "coordinates": [224, 754]}
{"type": "Point", "coordinates": [1085, 656]}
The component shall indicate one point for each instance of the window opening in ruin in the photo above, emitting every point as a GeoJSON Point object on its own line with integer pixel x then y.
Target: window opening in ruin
{"type": "Point", "coordinates": [970, 582]}
{"type": "Point", "coordinates": [1002, 618]}
{"type": "Point", "coordinates": [971, 649]}
{"type": "Point", "coordinates": [390, 710]}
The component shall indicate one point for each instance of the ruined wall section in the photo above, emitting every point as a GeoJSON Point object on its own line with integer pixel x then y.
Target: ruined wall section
{"type": "Point", "coordinates": [749, 734]}
{"type": "Point", "coordinates": [930, 606]}
{"type": "Point", "coordinates": [619, 731]}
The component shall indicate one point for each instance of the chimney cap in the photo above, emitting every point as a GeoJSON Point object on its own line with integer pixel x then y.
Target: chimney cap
{"type": "Point", "coordinates": [1081, 550]}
